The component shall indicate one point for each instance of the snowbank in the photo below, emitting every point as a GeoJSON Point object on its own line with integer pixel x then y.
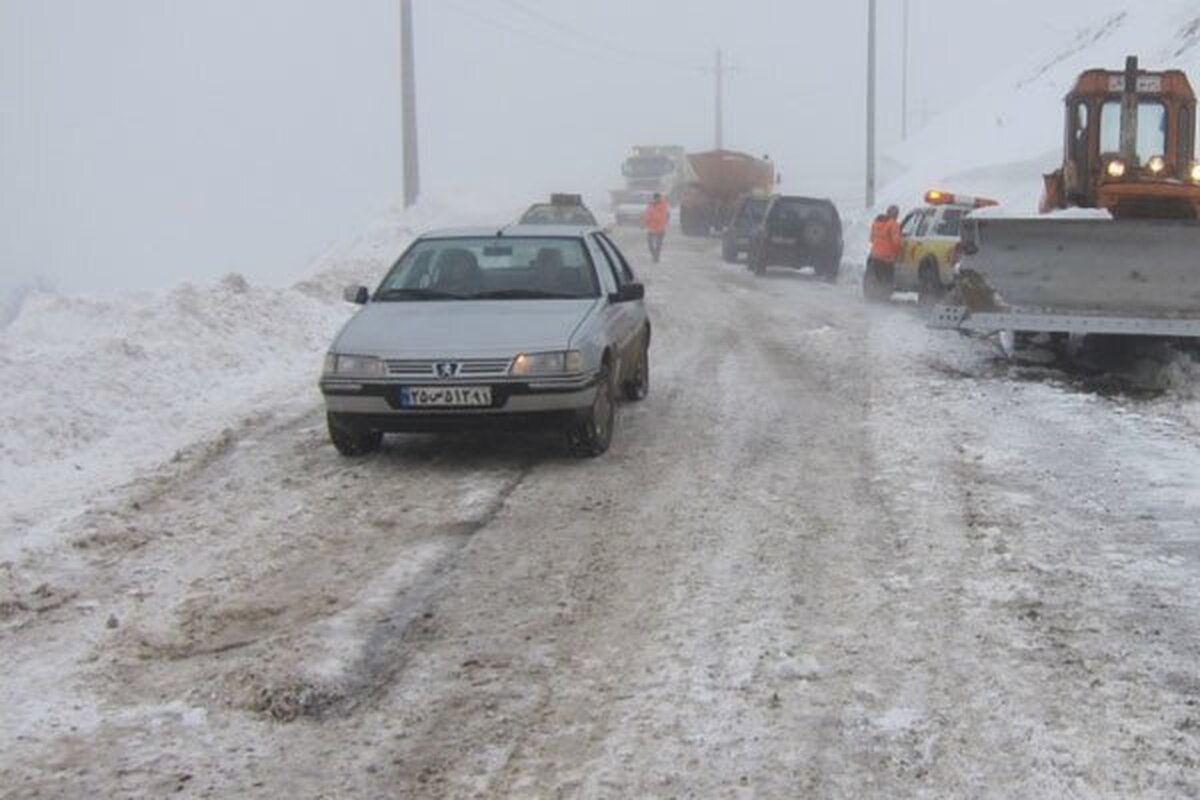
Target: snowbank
{"type": "Point", "coordinates": [100, 389]}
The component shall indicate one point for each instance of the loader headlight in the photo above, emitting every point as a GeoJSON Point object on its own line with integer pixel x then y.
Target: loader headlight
{"type": "Point", "coordinates": [1156, 165]}
{"type": "Point", "coordinates": [1115, 168]}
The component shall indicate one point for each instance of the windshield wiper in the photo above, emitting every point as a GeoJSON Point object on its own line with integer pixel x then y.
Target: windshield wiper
{"type": "Point", "coordinates": [525, 294]}
{"type": "Point", "coordinates": [417, 294]}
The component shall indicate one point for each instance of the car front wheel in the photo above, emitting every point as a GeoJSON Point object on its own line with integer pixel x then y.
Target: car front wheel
{"type": "Point", "coordinates": [638, 385]}
{"type": "Point", "coordinates": [828, 268]}
{"type": "Point", "coordinates": [757, 262]}
{"type": "Point", "coordinates": [351, 440]}
{"type": "Point", "coordinates": [592, 433]}
{"type": "Point", "coordinates": [729, 251]}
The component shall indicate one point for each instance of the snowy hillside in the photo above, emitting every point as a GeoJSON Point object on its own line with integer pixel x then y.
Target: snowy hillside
{"type": "Point", "coordinates": [1000, 141]}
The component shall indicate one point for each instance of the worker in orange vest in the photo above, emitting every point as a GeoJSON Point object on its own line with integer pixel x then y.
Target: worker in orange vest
{"type": "Point", "coordinates": [654, 220]}
{"type": "Point", "coordinates": [886, 241]}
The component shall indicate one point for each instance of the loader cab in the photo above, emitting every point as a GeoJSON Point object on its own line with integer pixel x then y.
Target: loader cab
{"type": "Point", "coordinates": [1130, 145]}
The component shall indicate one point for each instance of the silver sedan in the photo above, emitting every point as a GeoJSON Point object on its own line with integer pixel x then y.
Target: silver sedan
{"type": "Point", "coordinates": [522, 326]}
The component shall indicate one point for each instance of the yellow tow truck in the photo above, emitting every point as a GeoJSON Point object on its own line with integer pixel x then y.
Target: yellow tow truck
{"type": "Point", "coordinates": [930, 249]}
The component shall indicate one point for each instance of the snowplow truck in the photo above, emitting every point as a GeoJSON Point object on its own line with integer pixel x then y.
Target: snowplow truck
{"type": "Point", "coordinates": [654, 168]}
{"type": "Point", "coordinates": [721, 177]}
{"type": "Point", "coordinates": [1116, 248]}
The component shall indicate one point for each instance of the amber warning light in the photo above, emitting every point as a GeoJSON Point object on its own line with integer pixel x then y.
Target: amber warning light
{"type": "Point", "coordinates": [936, 197]}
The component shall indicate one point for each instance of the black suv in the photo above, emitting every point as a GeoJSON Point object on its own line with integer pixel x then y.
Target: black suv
{"type": "Point", "coordinates": [798, 232]}
{"type": "Point", "coordinates": [747, 215]}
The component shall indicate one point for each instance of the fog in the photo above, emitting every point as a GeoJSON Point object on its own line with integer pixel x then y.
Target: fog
{"type": "Point", "coordinates": [145, 142]}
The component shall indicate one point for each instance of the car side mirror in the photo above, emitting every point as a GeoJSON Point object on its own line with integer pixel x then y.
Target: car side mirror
{"type": "Point", "coordinates": [356, 294]}
{"type": "Point", "coordinates": [628, 293]}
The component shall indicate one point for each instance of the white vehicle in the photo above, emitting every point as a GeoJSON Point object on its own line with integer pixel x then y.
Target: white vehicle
{"type": "Point", "coordinates": [525, 325]}
{"type": "Point", "coordinates": [628, 207]}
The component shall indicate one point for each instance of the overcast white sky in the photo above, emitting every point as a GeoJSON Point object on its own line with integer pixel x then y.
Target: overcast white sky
{"type": "Point", "coordinates": [143, 142]}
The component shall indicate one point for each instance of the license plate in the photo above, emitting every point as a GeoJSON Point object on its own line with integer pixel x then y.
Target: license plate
{"type": "Point", "coordinates": [445, 396]}
{"type": "Point", "coordinates": [782, 240]}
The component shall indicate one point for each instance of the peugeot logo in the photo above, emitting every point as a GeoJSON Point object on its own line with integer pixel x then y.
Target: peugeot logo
{"type": "Point", "coordinates": [447, 369]}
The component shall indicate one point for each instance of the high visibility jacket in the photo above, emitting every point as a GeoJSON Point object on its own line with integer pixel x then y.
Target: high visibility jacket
{"type": "Point", "coordinates": [885, 240]}
{"type": "Point", "coordinates": [656, 216]}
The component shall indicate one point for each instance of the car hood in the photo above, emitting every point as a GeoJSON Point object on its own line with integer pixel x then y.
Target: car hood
{"type": "Point", "coordinates": [463, 328]}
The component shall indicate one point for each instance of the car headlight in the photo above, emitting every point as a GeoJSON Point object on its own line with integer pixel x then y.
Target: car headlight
{"type": "Point", "coordinates": [1194, 173]}
{"type": "Point", "coordinates": [353, 366]}
{"type": "Point", "coordinates": [1116, 168]}
{"type": "Point", "coordinates": [1156, 165]}
{"type": "Point", "coordinates": [560, 362]}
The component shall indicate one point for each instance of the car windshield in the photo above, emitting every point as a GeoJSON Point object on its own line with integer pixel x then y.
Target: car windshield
{"type": "Point", "coordinates": [548, 214]}
{"type": "Point", "coordinates": [1151, 129]}
{"type": "Point", "coordinates": [491, 268]}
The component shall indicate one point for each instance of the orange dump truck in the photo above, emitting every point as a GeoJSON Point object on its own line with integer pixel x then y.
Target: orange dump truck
{"type": "Point", "coordinates": [719, 178]}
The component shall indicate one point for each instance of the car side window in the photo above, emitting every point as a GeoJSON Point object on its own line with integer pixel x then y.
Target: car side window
{"type": "Point", "coordinates": [627, 275]}
{"type": "Point", "coordinates": [923, 227]}
{"type": "Point", "coordinates": [910, 223]}
{"type": "Point", "coordinates": [949, 223]}
{"type": "Point", "coordinates": [613, 269]}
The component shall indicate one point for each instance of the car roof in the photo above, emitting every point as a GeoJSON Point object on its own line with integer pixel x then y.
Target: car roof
{"type": "Point", "coordinates": [801, 198]}
{"type": "Point", "coordinates": [512, 230]}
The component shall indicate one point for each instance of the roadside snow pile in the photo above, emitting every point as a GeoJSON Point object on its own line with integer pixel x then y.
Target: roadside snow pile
{"type": "Point", "coordinates": [99, 389]}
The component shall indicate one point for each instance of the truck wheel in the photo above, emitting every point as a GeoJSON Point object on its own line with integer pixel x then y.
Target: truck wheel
{"type": "Point", "coordinates": [929, 284]}
{"type": "Point", "coordinates": [688, 221]}
{"type": "Point", "coordinates": [351, 440]}
{"type": "Point", "coordinates": [592, 433]}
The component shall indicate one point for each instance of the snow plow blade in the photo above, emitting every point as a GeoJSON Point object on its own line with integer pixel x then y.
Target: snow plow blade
{"type": "Point", "coordinates": [1128, 277]}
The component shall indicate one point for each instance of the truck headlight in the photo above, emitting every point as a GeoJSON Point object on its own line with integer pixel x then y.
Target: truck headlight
{"type": "Point", "coordinates": [1115, 168]}
{"type": "Point", "coordinates": [1156, 165]}
{"type": "Point", "coordinates": [353, 366]}
{"type": "Point", "coordinates": [559, 362]}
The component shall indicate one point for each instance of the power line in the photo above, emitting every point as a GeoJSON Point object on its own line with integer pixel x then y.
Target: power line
{"type": "Point", "coordinates": [505, 25]}
{"type": "Point", "coordinates": [596, 41]}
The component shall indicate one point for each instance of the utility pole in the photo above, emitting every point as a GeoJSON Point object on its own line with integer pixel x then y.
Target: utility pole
{"type": "Point", "coordinates": [408, 106]}
{"type": "Point", "coordinates": [904, 80]}
{"type": "Point", "coordinates": [720, 111]}
{"type": "Point", "coordinates": [871, 104]}
{"type": "Point", "coordinates": [719, 70]}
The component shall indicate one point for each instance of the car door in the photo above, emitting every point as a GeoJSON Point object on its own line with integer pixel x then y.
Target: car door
{"type": "Point", "coordinates": [947, 232]}
{"type": "Point", "coordinates": [625, 321]}
{"type": "Point", "coordinates": [906, 266]}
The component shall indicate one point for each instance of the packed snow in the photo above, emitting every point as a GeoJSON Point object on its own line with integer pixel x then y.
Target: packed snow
{"type": "Point", "coordinates": [862, 557]}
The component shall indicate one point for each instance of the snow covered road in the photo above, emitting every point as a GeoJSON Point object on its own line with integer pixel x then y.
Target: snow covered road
{"type": "Point", "coordinates": [834, 554]}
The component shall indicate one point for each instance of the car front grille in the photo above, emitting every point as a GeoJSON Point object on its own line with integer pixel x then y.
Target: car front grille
{"type": "Point", "coordinates": [448, 369]}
